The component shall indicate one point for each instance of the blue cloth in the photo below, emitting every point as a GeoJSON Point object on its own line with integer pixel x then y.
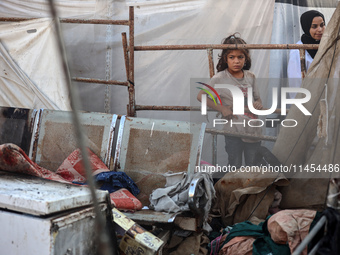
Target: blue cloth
{"type": "Point", "coordinates": [113, 181]}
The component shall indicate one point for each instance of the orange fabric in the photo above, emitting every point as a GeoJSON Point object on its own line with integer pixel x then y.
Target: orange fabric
{"type": "Point", "coordinates": [240, 245]}
{"type": "Point", "coordinates": [14, 159]}
{"type": "Point", "coordinates": [73, 170]}
{"type": "Point", "coordinates": [123, 200]}
{"type": "Point", "coordinates": [290, 226]}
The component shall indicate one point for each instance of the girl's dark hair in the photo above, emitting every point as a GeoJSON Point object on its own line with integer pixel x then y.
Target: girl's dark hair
{"type": "Point", "coordinates": [232, 39]}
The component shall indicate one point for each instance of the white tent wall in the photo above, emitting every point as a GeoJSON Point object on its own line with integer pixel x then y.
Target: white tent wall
{"type": "Point", "coordinates": [32, 46]}
{"type": "Point", "coordinates": [287, 30]}
{"type": "Point", "coordinates": [316, 141]}
{"type": "Point", "coordinates": [163, 77]}
{"type": "Point", "coordinates": [18, 90]}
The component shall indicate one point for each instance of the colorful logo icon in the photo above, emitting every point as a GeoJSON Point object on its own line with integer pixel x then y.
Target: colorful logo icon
{"type": "Point", "coordinates": [208, 92]}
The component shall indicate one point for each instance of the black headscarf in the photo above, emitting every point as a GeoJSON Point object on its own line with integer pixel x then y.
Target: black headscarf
{"type": "Point", "coordinates": [306, 20]}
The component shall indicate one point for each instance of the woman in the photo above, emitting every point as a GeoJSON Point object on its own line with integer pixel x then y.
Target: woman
{"type": "Point", "coordinates": [313, 25]}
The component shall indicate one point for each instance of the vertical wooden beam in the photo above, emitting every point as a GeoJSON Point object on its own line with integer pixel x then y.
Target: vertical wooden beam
{"type": "Point", "coordinates": [303, 63]}
{"type": "Point", "coordinates": [126, 54]}
{"type": "Point", "coordinates": [211, 62]}
{"type": "Point", "coordinates": [214, 149]}
{"type": "Point", "coordinates": [131, 79]}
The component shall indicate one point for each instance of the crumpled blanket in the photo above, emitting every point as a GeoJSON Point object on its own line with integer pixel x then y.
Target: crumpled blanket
{"type": "Point", "coordinates": [291, 226]}
{"type": "Point", "coordinates": [239, 194]}
{"type": "Point", "coordinates": [249, 238]}
{"type": "Point", "coordinates": [279, 234]}
{"type": "Point", "coordinates": [71, 171]}
{"type": "Point", "coordinates": [196, 244]}
{"type": "Point", "coordinates": [175, 198]}
{"type": "Point", "coordinates": [14, 159]}
{"type": "Point", "coordinates": [240, 245]}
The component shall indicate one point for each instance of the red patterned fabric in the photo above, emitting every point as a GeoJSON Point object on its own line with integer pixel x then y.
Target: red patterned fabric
{"type": "Point", "coordinates": [72, 169]}
{"type": "Point", "coordinates": [123, 199]}
{"type": "Point", "coordinates": [14, 159]}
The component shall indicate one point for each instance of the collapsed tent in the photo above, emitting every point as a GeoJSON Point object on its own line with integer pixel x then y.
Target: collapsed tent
{"type": "Point", "coordinates": [31, 73]}
{"type": "Point", "coordinates": [161, 77]}
{"type": "Point", "coordinates": [312, 147]}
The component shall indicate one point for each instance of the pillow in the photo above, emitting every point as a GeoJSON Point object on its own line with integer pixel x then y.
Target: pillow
{"type": "Point", "coordinates": [122, 199]}
{"type": "Point", "coordinates": [73, 170]}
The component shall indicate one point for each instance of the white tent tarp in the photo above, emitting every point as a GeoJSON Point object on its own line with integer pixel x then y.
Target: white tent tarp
{"type": "Point", "coordinates": [313, 146]}
{"type": "Point", "coordinates": [32, 58]}
{"type": "Point", "coordinates": [161, 77]}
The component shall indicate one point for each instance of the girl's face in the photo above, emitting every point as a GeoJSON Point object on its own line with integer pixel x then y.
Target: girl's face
{"type": "Point", "coordinates": [317, 28]}
{"type": "Point", "coordinates": [235, 60]}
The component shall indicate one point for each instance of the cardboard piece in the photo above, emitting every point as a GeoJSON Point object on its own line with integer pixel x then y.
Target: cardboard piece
{"type": "Point", "coordinates": [136, 239]}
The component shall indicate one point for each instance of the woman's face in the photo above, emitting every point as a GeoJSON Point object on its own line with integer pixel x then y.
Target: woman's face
{"type": "Point", "coordinates": [317, 28]}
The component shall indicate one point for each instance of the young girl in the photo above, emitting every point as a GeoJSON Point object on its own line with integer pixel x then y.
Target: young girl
{"type": "Point", "coordinates": [232, 67]}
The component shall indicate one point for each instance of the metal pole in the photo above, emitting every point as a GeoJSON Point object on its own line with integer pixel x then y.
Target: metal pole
{"type": "Point", "coordinates": [103, 239]}
{"type": "Point", "coordinates": [310, 236]}
{"type": "Point", "coordinates": [214, 150]}
{"type": "Point", "coordinates": [131, 78]}
{"type": "Point", "coordinates": [78, 21]}
{"type": "Point", "coordinates": [224, 132]}
{"type": "Point", "coordinates": [227, 46]}
{"type": "Point", "coordinates": [182, 108]}
{"type": "Point", "coordinates": [126, 54]}
{"type": "Point", "coordinates": [99, 81]}
{"type": "Point", "coordinates": [211, 62]}
{"type": "Point", "coordinates": [303, 63]}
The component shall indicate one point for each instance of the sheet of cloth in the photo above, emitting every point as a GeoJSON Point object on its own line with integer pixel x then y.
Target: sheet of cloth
{"type": "Point", "coordinates": [291, 226]}
{"type": "Point", "coordinates": [164, 22]}
{"type": "Point", "coordinates": [239, 194]}
{"type": "Point", "coordinates": [32, 66]}
{"type": "Point", "coordinates": [279, 234]}
{"type": "Point", "coordinates": [238, 245]}
{"type": "Point", "coordinates": [163, 77]}
{"type": "Point", "coordinates": [195, 243]}
{"type": "Point", "coordinates": [301, 146]}
{"type": "Point", "coordinates": [122, 199]}
{"type": "Point", "coordinates": [16, 87]}
{"type": "Point", "coordinates": [245, 232]}
{"type": "Point", "coordinates": [175, 198]}
{"type": "Point", "coordinates": [14, 159]}
{"type": "Point", "coordinates": [118, 184]}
